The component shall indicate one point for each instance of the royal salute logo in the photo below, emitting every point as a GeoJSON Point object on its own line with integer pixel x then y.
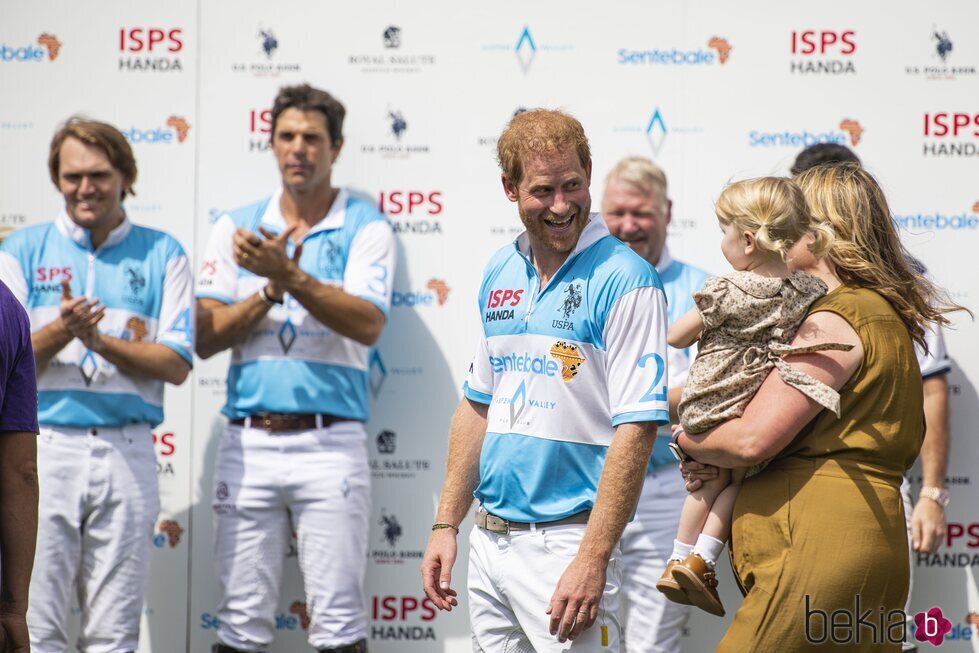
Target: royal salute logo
{"type": "Point", "coordinates": [397, 56]}
{"type": "Point", "coordinates": [168, 533]}
{"type": "Point", "coordinates": [386, 441]}
{"type": "Point", "coordinates": [823, 52]}
{"type": "Point", "coordinates": [673, 56]}
{"type": "Point", "coordinates": [392, 37]}
{"type": "Point", "coordinates": [570, 357]}
{"type": "Point", "coordinates": [941, 62]}
{"type": "Point", "coordinates": [150, 49]}
{"type": "Point", "coordinates": [49, 46]}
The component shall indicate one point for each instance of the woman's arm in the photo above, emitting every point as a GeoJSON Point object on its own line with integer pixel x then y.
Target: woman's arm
{"type": "Point", "coordinates": [686, 330]}
{"type": "Point", "coordinates": [778, 411]}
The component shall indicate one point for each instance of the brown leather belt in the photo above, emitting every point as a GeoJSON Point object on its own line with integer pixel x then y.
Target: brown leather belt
{"type": "Point", "coordinates": [276, 422]}
{"type": "Point", "coordinates": [493, 524]}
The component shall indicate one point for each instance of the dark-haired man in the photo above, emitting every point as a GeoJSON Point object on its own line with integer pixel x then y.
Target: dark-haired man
{"type": "Point", "coordinates": [298, 285]}
{"type": "Point", "coordinates": [110, 308]}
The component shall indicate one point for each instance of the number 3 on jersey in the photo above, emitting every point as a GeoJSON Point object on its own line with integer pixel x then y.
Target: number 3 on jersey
{"type": "Point", "coordinates": [651, 394]}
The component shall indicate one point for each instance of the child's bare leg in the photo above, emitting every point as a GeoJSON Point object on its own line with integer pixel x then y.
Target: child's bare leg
{"type": "Point", "coordinates": [717, 525]}
{"type": "Point", "coordinates": [697, 507]}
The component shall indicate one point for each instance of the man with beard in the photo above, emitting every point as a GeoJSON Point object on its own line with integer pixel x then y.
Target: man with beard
{"type": "Point", "coordinates": [561, 407]}
{"type": "Point", "coordinates": [637, 210]}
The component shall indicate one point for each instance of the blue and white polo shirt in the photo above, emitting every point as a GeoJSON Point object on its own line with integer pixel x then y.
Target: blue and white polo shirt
{"type": "Point", "coordinates": [560, 367]}
{"type": "Point", "coordinates": [291, 362]}
{"type": "Point", "coordinates": [680, 282]}
{"type": "Point", "coordinates": [141, 276]}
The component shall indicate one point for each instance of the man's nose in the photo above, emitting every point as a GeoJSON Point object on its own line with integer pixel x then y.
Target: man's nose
{"type": "Point", "coordinates": [86, 186]}
{"type": "Point", "coordinates": [561, 204]}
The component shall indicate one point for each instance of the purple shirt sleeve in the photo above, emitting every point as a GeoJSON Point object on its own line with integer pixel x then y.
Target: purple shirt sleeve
{"type": "Point", "coordinates": [18, 379]}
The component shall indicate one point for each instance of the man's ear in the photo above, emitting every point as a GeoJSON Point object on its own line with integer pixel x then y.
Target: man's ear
{"type": "Point", "coordinates": [509, 188]}
{"type": "Point", "coordinates": [336, 150]}
{"type": "Point", "coordinates": [669, 211]}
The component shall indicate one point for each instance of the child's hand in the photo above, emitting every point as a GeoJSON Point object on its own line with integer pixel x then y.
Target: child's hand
{"type": "Point", "coordinates": [694, 474]}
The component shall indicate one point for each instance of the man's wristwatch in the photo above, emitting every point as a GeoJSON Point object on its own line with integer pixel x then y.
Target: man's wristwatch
{"type": "Point", "coordinates": [939, 495]}
{"type": "Point", "coordinates": [676, 450]}
{"type": "Point", "coordinates": [263, 293]}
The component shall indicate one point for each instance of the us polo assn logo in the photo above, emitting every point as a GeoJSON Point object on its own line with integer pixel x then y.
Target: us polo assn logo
{"type": "Point", "coordinates": [570, 357]}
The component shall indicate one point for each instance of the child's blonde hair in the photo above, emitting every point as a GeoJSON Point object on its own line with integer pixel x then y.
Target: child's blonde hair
{"type": "Point", "coordinates": [774, 209]}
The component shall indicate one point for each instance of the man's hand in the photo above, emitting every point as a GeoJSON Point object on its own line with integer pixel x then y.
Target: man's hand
{"type": "Point", "coordinates": [574, 604]}
{"type": "Point", "coordinates": [13, 634]}
{"type": "Point", "coordinates": [440, 555]}
{"type": "Point", "coordinates": [81, 317]}
{"type": "Point", "coordinates": [266, 258]}
{"type": "Point", "coordinates": [927, 526]}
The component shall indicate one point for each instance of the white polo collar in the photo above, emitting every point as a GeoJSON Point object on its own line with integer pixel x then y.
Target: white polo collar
{"type": "Point", "coordinates": [82, 236]}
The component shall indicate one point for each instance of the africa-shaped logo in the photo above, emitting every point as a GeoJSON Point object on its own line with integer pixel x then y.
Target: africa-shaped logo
{"type": "Point", "coordinates": [722, 46]}
{"type": "Point", "coordinates": [440, 288]}
{"type": "Point", "coordinates": [853, 128]}
{"type": "Point", "coordinates": [931, 626]}
{"type": "Point", "coordinates": [298, 608]}
{"type": "Point", "coordinates": [51, 42]}
{"type": "Point", "coordinates": [570, 356]}
{"type": "Point", "coordinates": [137, 328]}
{"type": "Point", "coordinates": [172, 530]}
{"type": "Point", "coordinates": [180, 126]}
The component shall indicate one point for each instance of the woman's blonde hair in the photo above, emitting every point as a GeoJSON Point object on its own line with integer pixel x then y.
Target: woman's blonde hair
{"type": "Point", "coordinates": [867, 250]}
{"type": "Point", "coordinates": [775, 211]}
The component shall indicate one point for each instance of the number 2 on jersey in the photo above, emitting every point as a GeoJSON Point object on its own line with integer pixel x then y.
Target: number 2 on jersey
{"type": "Point", "coordinates": [660, 370]}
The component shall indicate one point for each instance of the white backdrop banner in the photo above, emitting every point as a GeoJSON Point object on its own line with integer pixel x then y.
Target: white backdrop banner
{"type": "Point", "coordinates": [713, 91]}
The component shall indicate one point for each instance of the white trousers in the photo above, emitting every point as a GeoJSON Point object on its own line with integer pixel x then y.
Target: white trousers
{"type": "Point", "coordinates": [652, 623]}
{"type": "Point", "coordinates": [98, 505]}
{"type": "Point", "coordinates": [511, 581]}
{"type": "Point", "coordinates": [909, 644]}
{"type": "Point", "coordinates": [266, 485]}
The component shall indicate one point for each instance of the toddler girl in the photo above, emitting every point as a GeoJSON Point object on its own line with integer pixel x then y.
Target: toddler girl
{"type": "Point", "coordinates": [744, 322]}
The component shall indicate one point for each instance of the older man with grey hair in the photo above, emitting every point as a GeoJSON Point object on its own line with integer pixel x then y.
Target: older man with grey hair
{"type": "Point", "coordinates": [637, 210]}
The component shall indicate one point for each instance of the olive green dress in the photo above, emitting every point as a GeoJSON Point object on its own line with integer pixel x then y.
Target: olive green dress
{"type": "Point", "coordinates": [824, 522]}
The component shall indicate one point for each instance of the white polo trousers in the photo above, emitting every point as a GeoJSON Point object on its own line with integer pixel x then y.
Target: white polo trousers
{"type": "Point", "coordinates": [319, 478]}
{"type": "Point", "coordinates": [652, 623]}
{"type": "Point", "coordinates": [98, 506]}
{"type": "Point", "coordinates": [511, 581]}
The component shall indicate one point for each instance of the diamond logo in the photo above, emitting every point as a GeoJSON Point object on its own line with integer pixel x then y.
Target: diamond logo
{"type": "Point", "coordinates": [526, 49]}
{"type": "Point", "coordinates": [656, 132]}
{"type": "Point", "coordinates": [88, 367]}
{"type": "Point", "coordinates": [518, 403]}
{"type": "Point", "coordinates": [377, 373]}
{"type": "Point", "coordinates": [287, 335]}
